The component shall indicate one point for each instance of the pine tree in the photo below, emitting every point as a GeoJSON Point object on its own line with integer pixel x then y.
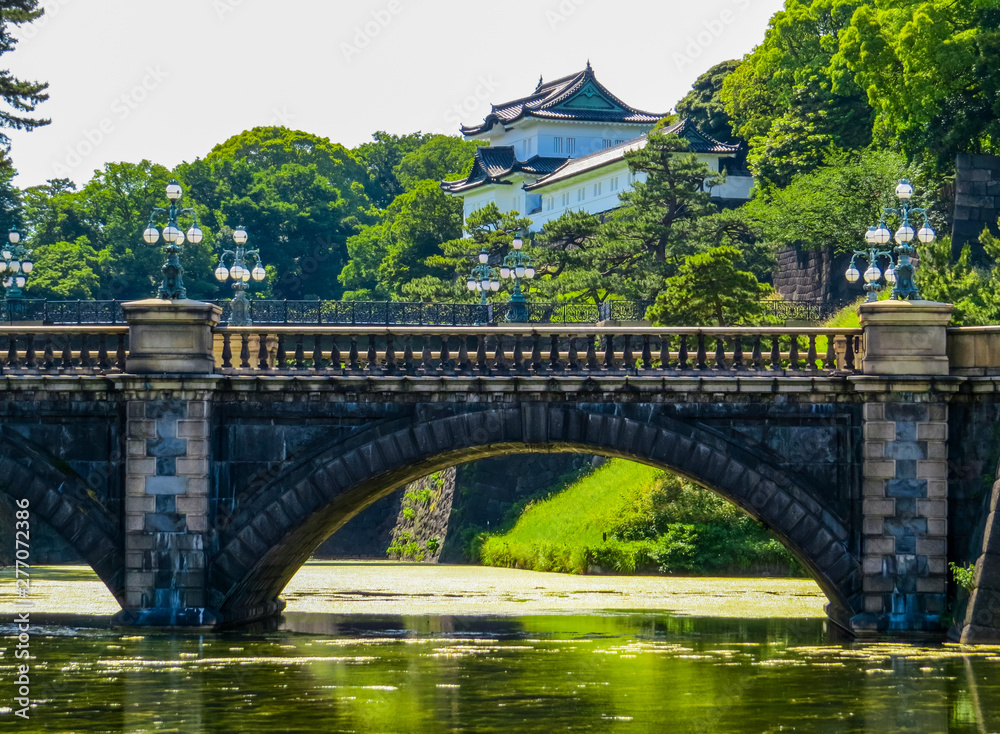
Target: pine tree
{"type": "Point", "coordinates": [21, 96]}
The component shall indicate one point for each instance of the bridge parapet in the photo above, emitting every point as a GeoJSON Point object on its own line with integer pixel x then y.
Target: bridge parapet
{"type": "Point", "coordinates": [537, 350]}
{"type": "Point", "coordinates": [39, 350]}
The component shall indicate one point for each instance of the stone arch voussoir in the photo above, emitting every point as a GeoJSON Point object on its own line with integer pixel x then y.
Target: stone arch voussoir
{"type": "Point", "coordinates": [61, 498]}
{"type": "Point", "coordinates": [281, 525]}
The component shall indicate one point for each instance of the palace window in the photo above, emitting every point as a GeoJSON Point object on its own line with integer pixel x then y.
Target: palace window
{"type": "Point", "coordinates": [619, 142]}
{"type": "Point", "coordinates": [565, 199]}
{"type": "Point", "coordinates": [581, 193]}
{"type": "Point", "coordinates": [557, 146]}
{"type": "Point", "coordinates": [606, 143]}
{"type": "Point", "coordinates": [614, 183]}
{"type": "Point", "coordinates": [597, 189]}
{"type": "Point", "coordinates": [571, 146]}
{"type": "Point", "coordinates": [550, 203]}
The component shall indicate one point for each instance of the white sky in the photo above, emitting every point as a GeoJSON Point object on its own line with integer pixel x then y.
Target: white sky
{"type": "Point", "coordinates": [168, 80]}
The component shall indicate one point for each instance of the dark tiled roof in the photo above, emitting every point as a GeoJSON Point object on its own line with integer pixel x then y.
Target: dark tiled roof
{"type": "Point", "coordinates": [492, 164]}
{"type": "Point", "coordinates": [575, 97]}
{"type": "Point", "coordinates": [700, 143]}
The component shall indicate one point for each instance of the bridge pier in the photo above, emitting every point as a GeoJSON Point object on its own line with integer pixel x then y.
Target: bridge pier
{"type": "Point", "coordinates": [905, 506]}
{"type": "Point", "coordinates": [168, 395]}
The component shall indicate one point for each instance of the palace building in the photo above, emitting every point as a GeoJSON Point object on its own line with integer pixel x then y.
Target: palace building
{"type": "Point", "coordinates": [562, 148]}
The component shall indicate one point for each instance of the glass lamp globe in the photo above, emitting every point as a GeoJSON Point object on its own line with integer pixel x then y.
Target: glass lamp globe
{"type": "Point", "coordinates": [236, 272]}
{"type": "Point", "coordinates": [529, 272]}
{"type": "Point", "coordinates": [174, 191]}
{"type": "Point", "coordinates": [881, 235]}
{"type": "Point", "coordinates": [926, 235]}
{"type": "Point", "coordinates": [504, 272]}
{"type": "Point", "coordinates": [151, 235]}
{"type": "Point", "coordinates": [221, 272]}
{"type": "Point", "coordinates": [180, 238]}
{"type": "Point", "coordinates": [240, 236]}
{"type": "Point", "coordinates": [20, 281]}
{"type": "Point", "coordinates": [890, 276]}
{"type": "Point", "coordinates": [904, 191]}
{"type": "Point", "coordinates": [519, 271]}
{"type": "Point", "coordinates": [15, 266]}
{"type": "Point", "coordinates": [484, 258]}
{"type": "Point", "coordinates": [170, 233]}
{"type": "Point", "coordinates": [872, 274]}
{"type": "Point", "coordinates": [904, 234]}
{"type": "Point", "coordinates": [470, 284]}
{"type": "Point", "coordinates": [14, 236]}
{"type": "Point", "coordinates": [259, 273]}
{"type": "Point", "coordinates": [6, 254]}
{"type": "Point", "coordinates": [246, 276]}
{"type": "Point", "coordinates": [495, 285]}
{"type": "Point", "coordinates": [3, 266]}
{"type": "Point", "coordinates": [27, 266]}
{"type": "Point", "coordinates": [518, 242]}
{"type": "Point", "coordinates": [870, 236]}
{"type": "Point", "coordinates": [195, 236]}
{"type": "Point", "coordinates": [852, 274]}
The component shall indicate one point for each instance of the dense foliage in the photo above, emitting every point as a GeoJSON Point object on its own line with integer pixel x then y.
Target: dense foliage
{"type": "Point", "coordinates": [628, 518]}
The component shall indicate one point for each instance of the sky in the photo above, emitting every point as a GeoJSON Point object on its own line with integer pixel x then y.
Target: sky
{"type": "Point", "coordinates": [168, 81]}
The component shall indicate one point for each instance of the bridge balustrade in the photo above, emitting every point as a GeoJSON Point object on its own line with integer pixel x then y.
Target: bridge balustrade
{"type": "Point", "coordinates": [63, 349]}
{"type": "Point", "coordinates": [550, 350]}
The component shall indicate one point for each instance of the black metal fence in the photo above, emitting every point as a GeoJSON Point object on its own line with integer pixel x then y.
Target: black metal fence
{"type": "Point", "coordinates": [361, 313]}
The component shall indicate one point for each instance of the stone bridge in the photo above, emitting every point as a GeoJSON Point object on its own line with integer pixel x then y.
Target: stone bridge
{"type": "Point", "coordinates": [196, 468]}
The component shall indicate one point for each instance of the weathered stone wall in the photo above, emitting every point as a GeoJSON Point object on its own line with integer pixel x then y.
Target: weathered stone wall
{"type": "Point", "coordinates": [812, 275]}
{"type": "Point", "coordinates": [422, 524]}
{"type": "Point", "coordinates": [977, 199]}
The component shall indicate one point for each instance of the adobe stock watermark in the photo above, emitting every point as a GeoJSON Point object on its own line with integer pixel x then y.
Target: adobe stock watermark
{"type": "Point", "coordinates": [368, 31]}
{"type": "Point", "coordinates": [470, 105]}
{"type": "Point", "coordinates": [121, 109]}
{"type": "Point", "coordinates": [223, 8]}
{"type": "Point", "coordinates": [713, 29]}
{"type": "Point", "coordinates": [22, 572]}
{"type": "Point", "coordinates": [562, 12]}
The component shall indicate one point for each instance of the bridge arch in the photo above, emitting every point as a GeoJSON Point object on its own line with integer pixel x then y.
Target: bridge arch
{"type": "Point", "coordinates": [279, 526]}
{"type": "Point", "coordinates": [62, 498]}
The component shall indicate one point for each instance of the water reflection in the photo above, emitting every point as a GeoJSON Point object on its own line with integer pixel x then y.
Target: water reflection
{"type": "Point", "coordinates": [621, 672]}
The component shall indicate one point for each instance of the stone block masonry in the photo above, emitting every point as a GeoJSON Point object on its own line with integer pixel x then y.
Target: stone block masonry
{"type": "Point", "coordinates": [977, 199]}
{"type": "Point", "coordinates": [905, 514]}
{"type": "Point", "coordinates": [167, 503]}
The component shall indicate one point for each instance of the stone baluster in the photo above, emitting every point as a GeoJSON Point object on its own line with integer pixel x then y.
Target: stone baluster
{"type": "Point", "coordinates": [592, 364]}
{"type": "Point", "coordinates": [682, 354]}
{"type": "Point", "coordinates": [481, 363]}
{"type": "Point", "coordinates": [353, 356]}
{"type": "Point", "coordinates": [48, 358]}
{"type": "Point", "coordinates": [446, 366]}
{"type": "Point", "coordinates": [464, 365]}
{"type": "Point", "coordinates": [628, 360]}
{"type": "Point", "coordinates": [793, 354]}
{"type": "Point", "coordinates": [336, 360]}
{"type": "Point", "coordinates": [244, 351]}
{"type": "Point", "coordinates": [775, 354]}
{"type": "Point", "coordinates": [830, 362]}
{"type": "Point", "coordinates": [102, 353]}
{"type": "Point", "coordinates": [811, 354]}
{"type": "Point", "coordinates": [757, 357]}
{"type": "Point", "coordinates": [426, 362]}
{"type": "Point", "coordinates": [720, 353]}
{"type": "Point", "coordinates": [66, 361]}
{"type": "Point", "coordinates": [317, 353]}
{"type": "Point", "coordinates": [408, 366]}
{"type": "Point", "coordinates": [609, 352]}
{"type": "Point", "coordinates": [738, 353]}
{"type": "Point", "coordinates": [372, 357]}
{"type": "Point", "coordinates": [554, 364]}
{"type": "Point", "coordinates": [282, 360]}
{"type": "Point", "coordinates": [29, 353]}
{"type": "Point", "coordinates": [536, 354]}
{"type": "Point", "coordinates": [300, 353]}
{"type": "Point", "coordinates": [647, 353]}
{"type": "Point", "coordinates": [573, 358]}
{"type": "Point", "coordinates": [849, 353]}
{"type": "Point", "coordinates": [390, 355]}
{"type": "Point", "coordinates": [519, 366]}
{"type": "Point", "coordinates": [262, 362]}
{"type": "Point", "coordinates": [702, 354]}
{"type": "Point", "coordinates": [85, 361]}
{"type": "Point", "coordinates": [499, 360]}
{"type": "Point", "coordinates": [664, 351]}
{"type": "Point", "coordinates": [227, 351]}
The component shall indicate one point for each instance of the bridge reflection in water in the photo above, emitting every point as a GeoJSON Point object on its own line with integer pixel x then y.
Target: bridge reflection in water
{"type": "Point", "coordinates": [197, 467]}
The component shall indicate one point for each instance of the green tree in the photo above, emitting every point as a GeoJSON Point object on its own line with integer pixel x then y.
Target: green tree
{"type": "Point", "coordinates": [705, 106]}
{"type": "Point", "coordinates": [389, 254]}
{"type": "Point", "coordinates": [710, 289]}
{"type": "Point", "coordinates": [299, 196]}
{"type": "Point", "coordinates": [381, 157]}
{"type": "Point", "coordinates": [957, 282]}
{"type": "Point", "coordinates": [931, 71]}
{"type": "Point", "coordinates": [440, 157]}
{"type": "Point", "coordinates": [792, 98]}
{"type": "Point", "coordinates": [487, 228]}
{"type": "Point", "coordinates": [20, 96]}
{"type": "Point", "coordinates": [65, 271]}
{"type": "Point", "coordinates": [833, 205]}
{"type": "Point", "coordinates": [646, 240]}
{"type": "Point", "coordinates": [569, 263]}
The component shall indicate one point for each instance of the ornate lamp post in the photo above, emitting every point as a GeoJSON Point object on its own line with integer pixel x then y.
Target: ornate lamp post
{"type": "Point", "coordinates": [173, 281]}
{"type": "Point", "coordinates": [900, 275]}
{"type": "Point", "coordinates": [872, 274]}
{"type": "Point", "coordinates": [483, 278]}
{"type": "Point", "coordinates": [517, 266]}
{"type": "Point", "coordinates": [241, 276]}
{"type": "Point", "coordinates": [15, 266]}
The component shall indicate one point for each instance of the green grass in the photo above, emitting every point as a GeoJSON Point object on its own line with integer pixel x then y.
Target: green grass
{"type": "Point", "coordinates": [627, 517]}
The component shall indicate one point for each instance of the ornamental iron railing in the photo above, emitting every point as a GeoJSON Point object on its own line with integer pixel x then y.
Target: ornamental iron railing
{"type": "Point", "coordinates": [388, 313]}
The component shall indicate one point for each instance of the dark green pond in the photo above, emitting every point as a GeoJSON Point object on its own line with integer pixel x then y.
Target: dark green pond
{"type": "Point", "coordinates": [620, 672]}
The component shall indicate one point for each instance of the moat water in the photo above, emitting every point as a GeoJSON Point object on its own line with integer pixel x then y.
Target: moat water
{"type": "Point", "coordinates": [381, 647]}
